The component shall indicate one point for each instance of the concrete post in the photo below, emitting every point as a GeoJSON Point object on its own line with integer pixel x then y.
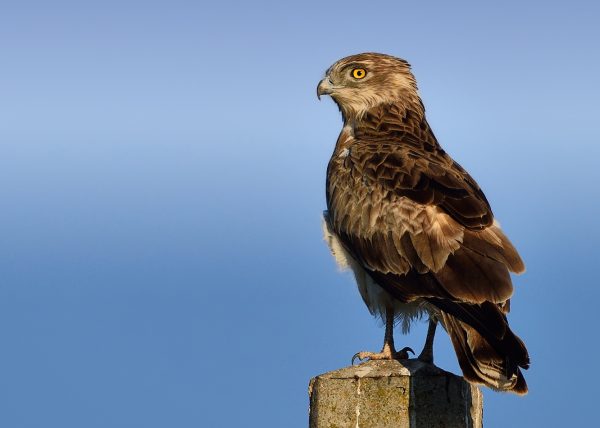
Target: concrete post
{"type": "Point", "coordinates": [406, 394]}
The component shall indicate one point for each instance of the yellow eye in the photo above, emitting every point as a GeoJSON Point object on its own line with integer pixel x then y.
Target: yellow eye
{"type": "Point", "coordinates": [359, 73]}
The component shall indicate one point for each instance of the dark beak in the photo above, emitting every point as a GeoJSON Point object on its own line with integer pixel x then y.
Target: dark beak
{"type": "Point", "coordinates": [324, 88]}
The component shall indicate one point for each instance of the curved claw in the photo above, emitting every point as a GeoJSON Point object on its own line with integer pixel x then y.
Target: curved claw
{"type": "Point", "coordinates": [356, 357]}
{"type": "Point", "coordinates": [403, 353]}
{"type": "Point", "coordinates": [407, 349]}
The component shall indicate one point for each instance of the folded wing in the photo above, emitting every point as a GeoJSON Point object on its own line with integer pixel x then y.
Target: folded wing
{"type": "Point", "coordinates": [423, 229]}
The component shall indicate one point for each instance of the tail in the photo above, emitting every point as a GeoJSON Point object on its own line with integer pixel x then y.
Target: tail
{"type": "Point", "coordinates": [488, 352]}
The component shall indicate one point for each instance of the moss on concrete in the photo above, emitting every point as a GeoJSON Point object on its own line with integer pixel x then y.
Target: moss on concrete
{"type": "Point", "coordinates": [395, 394]}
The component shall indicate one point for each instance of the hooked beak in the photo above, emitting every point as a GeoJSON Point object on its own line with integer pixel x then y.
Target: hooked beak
{"type": "Point", "coordinates": [325, 87]}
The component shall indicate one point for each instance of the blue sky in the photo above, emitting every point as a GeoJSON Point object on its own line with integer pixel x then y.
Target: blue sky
{"type": "Point", "coordinates": [162, 172]}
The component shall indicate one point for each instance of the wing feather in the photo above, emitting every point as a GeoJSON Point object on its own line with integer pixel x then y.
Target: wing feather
{"type": "Point", "coordinates": [397, 207]}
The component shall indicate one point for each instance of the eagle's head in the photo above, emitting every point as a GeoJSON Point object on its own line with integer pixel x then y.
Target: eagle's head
{"type": "Point", "coordinates": [360, 82]}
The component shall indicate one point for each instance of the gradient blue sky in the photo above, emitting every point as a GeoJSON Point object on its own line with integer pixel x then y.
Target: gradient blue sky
{"type": "Point", "coordinates": [162, 180]}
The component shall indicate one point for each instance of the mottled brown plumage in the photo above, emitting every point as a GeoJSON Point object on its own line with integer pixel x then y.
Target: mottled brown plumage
{"type": "Point", "coordinates": [411, 222]}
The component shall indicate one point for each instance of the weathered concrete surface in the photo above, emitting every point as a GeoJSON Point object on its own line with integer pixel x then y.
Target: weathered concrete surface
{"type": "Point", "coordinates": [407, 394]}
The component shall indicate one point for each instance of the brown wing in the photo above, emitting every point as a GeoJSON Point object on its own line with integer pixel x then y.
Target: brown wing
{"type": "Point", "coordinates": [422, 228]}
{"type": "Point", "coordinates": [398, 207]}
{"type": "Point", "coordinates": [405, 168]}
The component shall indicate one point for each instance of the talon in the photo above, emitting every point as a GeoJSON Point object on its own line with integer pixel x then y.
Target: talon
{"type": "Point", "coordinates": [356, 357]}
{"type": "Point", "coordinates": [403, 353]}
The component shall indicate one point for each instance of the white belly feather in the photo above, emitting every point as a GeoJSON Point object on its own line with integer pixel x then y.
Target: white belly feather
{"type": "Point", "coordinates": [374, 296]}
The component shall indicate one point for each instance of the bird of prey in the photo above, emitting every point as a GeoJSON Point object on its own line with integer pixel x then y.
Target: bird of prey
{"type": "Point", "coordinates": [414, 226]}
